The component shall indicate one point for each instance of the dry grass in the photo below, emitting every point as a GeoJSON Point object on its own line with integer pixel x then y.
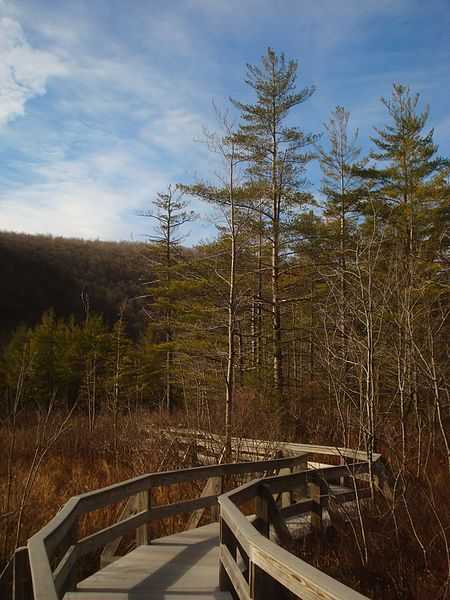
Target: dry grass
{"type": "Point", "coordinates": [80, 461]}
{"type": "Point", "coordinates": [407, 539]}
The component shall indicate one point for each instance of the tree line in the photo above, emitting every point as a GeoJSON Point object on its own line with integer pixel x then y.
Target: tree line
{"type": "Point", "coordinates": [339, 297]}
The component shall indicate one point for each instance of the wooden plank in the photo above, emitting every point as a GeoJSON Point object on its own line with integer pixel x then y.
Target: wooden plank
{"type": "Point", "coordinates": [100, 538]}
{"type": "Point", "coordinates": [296, 480]}
{"type": "Point", "coordinates": [176, 567]}
{"type": "Point", "coordinates": [57, 534]}
{"type": "Point", "coordinates": [61, 526]}
{"type": "Point", "coordinates": [213, 487]}
{"type": "Point", "coordinates": [297, 508]}
{"type": "Point", "coordinates": [228, 540]}
{"type": "Point", "coordinates": [143, 504]}
{"type": "Point", "coordinates": [108, 554]}
{"type": "Point", "coordinates": [296, 575]}
{"type": "Point", "coordinates": [43, 584]}
{"type": "Point", "coordinates": [116, 493]}
{"type": "Point", "coordinates": [262, 522]}
{"type": "Point", "coordinates": [286, 446]}
{"type": "Point", "coordinates": [242, 534]}
{"type": "Point", "coordinates": [342, 495]}
{"type": "Point", "coordinates": [316, 509]}
{"type": "Point", "coordinates": [63, 571]}
{"type": "Point", "coordinates": [240, 586]}
{"type": "Point", "coordinates": [276, 519]}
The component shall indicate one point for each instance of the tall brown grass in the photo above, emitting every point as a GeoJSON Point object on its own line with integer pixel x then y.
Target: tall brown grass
{"type": "Point", "coordinates": [408, 537]}
{"type": "Point", "coordinates": [81, 460]}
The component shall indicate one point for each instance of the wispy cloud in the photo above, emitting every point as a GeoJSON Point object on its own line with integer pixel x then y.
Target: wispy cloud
{"type": "Point", "coordinates": [100, 102]}
{"type": "Point", "coordinates": [88, 197]}
{"type": "Point", "coordinates": [24, 70]}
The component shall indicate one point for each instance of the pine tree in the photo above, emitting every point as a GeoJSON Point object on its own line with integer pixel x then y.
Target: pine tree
{"type": "Point", "coordinates": [228, 196]}
{"type": "Point", "coordinates": [170, 212]}
{"type": "Point", "coordinates": [276, 156]}
{"type": "Point", "coordinates": [406, 184]}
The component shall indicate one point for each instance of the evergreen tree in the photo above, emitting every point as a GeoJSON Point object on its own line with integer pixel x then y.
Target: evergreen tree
{"type": "Point", "coordinates": [276, 155]}
{"type": "Point", "coordinates": [228, 197]}
{"type": "Point", "coordinates": [171, 213]}
{"type": "Point", "coordinates": [407, 186]}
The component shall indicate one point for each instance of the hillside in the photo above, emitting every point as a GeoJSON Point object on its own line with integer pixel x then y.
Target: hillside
{"type": "Point", "coordinates": [42, 272]}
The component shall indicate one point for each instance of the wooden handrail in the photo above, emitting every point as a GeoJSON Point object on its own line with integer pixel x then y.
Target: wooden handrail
{"type": "Point", "coordinates": [265, 559]}
{"type": "Point", "coordinates": [289, 447]}
{"type": "Point", "coordinates": [49, 584]}
{"type": "Point", "coordinates": [271, 568]}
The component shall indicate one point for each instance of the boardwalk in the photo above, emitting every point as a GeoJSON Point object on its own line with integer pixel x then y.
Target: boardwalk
{"type": "Point", "coordinates": [248, 559]}
{"type": "Point", "coordinates": [177, 567]}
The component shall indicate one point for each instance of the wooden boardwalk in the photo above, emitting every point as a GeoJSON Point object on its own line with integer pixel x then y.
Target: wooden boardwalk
{"type": "Point", "coordinates": [177, 567]}
{"type": "Point", "coordinates": [239, 557]}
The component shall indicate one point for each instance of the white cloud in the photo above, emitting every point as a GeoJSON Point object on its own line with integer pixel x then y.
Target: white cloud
{"type": "Point", "coordinates": [24, 71]}
{"type": "Point", "coordinates": [81, 198]}
{"type": "Point", "coordinates": [175, 130]}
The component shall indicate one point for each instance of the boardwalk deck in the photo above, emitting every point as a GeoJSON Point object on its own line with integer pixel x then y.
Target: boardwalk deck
{"type": "Point", "coordinates": [288, 493]}
{"type": "Point", "coordinates": [177, 567]}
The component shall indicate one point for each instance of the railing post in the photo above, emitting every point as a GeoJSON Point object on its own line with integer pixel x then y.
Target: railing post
{"type": "Point", "coordinates": [262, 585]}
{"type": "Point", "coordinates": [226, 539]}
{"type": "Point", "coordinates": [21, 581]}
{"type": "Point", "coordinates": [316, 512]}
{"type": "Point", "coordinates": [143, 502]}
{"type": "Point", "coordinates": [301, 490]}
{"type": "Point", "coordinates": [342, 477]}
{"type": "Point", "coordinates": [255, 581]}
{"type": "Point", "coordinates": [262, 522]}
{"type": "Point", "coordinates": [217, 490]}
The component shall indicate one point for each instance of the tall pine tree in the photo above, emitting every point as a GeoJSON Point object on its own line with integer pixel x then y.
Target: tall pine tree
{"type": "Point", "coordinates": [276, 154]}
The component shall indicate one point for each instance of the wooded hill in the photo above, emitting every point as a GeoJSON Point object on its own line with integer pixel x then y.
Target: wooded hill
{"type": "Point", "coordinates": [70, 276]}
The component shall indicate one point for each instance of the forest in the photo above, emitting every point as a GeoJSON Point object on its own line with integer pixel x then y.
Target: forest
{"type": "Point", "coordinates": [316, 315]}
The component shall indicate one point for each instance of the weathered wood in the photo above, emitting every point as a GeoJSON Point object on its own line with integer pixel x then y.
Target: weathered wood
{"type": "Point", "coordinates": [295, 481]}
{"type": "Point", "coordinates": [100, 538]}
{"type": "Point", "coordinates": [276, 518]}
{"type": "Point", "coordinates": [242, 530]}
{"type": "Point", "coordinates": [182, 566]}
{"type": "Point", "coordinates": [342, 495]}
{"type": "Point", "coordinates": [262, 586]}
{"type": "Point", "coordinates": [108, 554]}
{"type": "Point", "coordinates": [297, 508]}
{"type": "Point", "coordinates": [275, 565]}
{"type": "Point", "coordinates": [143, 504]}
{"type": "Point", "coordinates": [213, 487]}
{"type": "Point", "coordinates": [41, 572]}
{"type": "Point", "coordinates": [269, 563]}
{"type": "Point", "coordinates": [118, 492]}
{"type": "Point", "coordinates": [297, 576]}
{"type": "Point", "coordinates": [262, 522]}
{"type": "Point", "coordinates": [235, 577]}
{"type": "Point", "coordinates": [290, 447]}
{"type": "Point", "coordinates": [227, 540]}
{"type": "Point", "coordinates": [63, 572]}
{"type": "Point", "coordinates": [61, 527]}
{"type": "Point", "coordinates": [316, 509]}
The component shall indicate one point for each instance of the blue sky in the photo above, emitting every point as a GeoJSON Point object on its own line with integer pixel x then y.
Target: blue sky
{"type": "Point", "coordinates": [101, 101]}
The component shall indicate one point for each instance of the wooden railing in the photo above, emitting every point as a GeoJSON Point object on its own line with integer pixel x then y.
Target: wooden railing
{"type": "Point", "coordinates": [253, 566]}
{"type": "Point", "coordinates": [54, 550]}
{"type": "Point", "coordinates": [250, 563]}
